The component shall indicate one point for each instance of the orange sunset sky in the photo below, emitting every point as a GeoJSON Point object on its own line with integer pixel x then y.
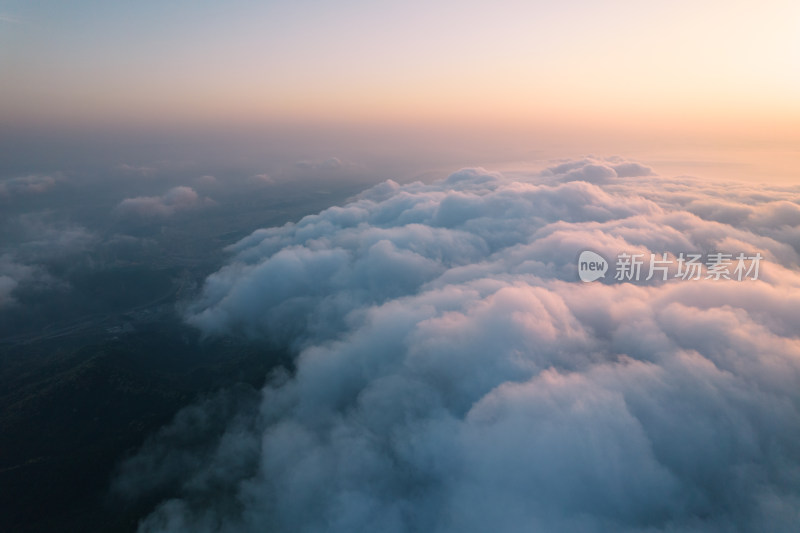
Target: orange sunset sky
{"type": "Point", "coordinates": [598, 73]}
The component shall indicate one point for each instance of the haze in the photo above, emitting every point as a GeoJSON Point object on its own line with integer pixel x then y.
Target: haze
{"type": "Point", "coordinates": [628, 77]}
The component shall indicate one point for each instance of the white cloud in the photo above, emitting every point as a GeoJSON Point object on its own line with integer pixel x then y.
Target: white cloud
{"type": "Point", "coordinates": [175, 200]}
{"type": "Point", "coordinates": [452, 375]}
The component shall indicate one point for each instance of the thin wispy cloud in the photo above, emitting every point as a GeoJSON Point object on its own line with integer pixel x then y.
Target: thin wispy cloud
{"type": "Point", "coordinates": [9, 19]}
{"type": "Point", "coordinates": [139, 170]}
{"type": "Point", "coordinates": [29, 184]}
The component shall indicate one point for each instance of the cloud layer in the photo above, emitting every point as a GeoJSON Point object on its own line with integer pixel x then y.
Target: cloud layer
{"type": "Point", "coordinates": [452, 375]}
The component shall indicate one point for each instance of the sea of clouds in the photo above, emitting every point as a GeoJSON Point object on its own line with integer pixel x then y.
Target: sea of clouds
{"type": "Point", "coordinates": [452, 374]}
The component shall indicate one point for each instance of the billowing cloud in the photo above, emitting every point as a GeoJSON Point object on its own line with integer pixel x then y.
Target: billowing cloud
{"type": "Point", "coordinates": [598, 171]}
{"type": "Point", "coordinates": [176, 199]}
{"type": "Point", "coordinates": [453, 375]}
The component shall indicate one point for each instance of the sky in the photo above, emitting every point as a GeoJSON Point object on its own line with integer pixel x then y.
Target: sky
{"type": "Point", "coordinates": [729, 69]}
{"type": "Point", "coordinates": [395, 196]}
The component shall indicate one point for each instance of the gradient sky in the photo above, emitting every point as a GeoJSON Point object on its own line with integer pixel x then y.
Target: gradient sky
{"type": "Point", "coordinates": [718, 67]}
